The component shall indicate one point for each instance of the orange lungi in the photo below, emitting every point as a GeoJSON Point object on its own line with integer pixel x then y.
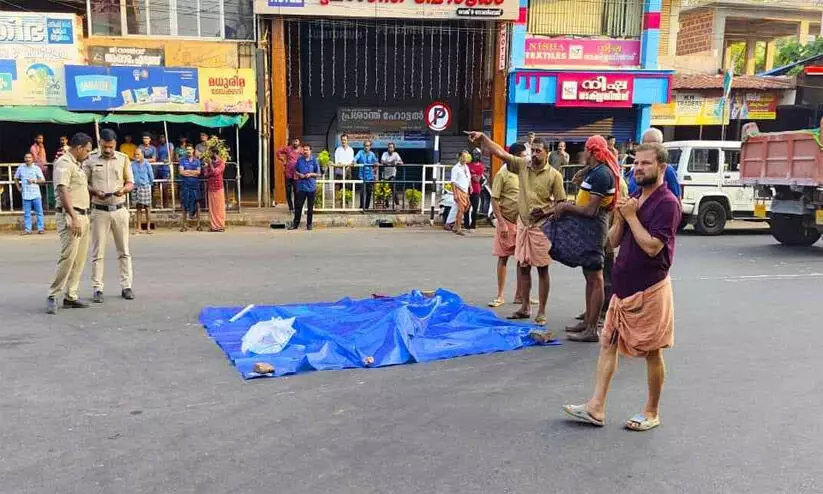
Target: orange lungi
{"type": "Point", "coordinates": [504, 244]}
{"type": "Point", "coordinates": [532, 247]}
{"type": "Point", "coordinates": [217, 209]}
{"type": "Point", "coordinates": [642, 322]}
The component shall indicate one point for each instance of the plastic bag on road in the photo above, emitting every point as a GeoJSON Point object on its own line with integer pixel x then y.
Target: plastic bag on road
{"type": "Point", "coordinates": [267, 337]}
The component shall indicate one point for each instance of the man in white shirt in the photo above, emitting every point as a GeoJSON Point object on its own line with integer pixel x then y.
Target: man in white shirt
{"type": "Point", "coordinates": [390, 161]}
{"type": "Point", "coordinates": [343, 158]}
{"type": "Point", "coordinates": [529, 141]}
{"type": "Point", "coordinates": [460, 178]}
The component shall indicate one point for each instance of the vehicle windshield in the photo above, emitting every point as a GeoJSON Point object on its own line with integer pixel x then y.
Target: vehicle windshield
{"type": "Point", "coordinates": [674, 157]}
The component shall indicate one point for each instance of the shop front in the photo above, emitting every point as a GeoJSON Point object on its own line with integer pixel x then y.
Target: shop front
{"type": "Point", "coordinates": [699, 111]}
{"type": "Point", "coordinates": [369, 70]}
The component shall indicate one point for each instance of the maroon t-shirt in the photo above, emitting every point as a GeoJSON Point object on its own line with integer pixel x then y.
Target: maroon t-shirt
{"type": "Point", "coordinates": [477, 170]}
{"type": "Point", "coordinates": [634, 271]}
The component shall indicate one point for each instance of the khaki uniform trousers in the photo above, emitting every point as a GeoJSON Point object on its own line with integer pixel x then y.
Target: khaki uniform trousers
{"type": "Point", "coordinates": [116, 222]}
{"type": "Point", "coordinates": [73, 254]}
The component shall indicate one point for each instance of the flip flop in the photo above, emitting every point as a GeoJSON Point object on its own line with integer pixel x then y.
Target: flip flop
{"type": "Point", "coordinates": [532, 301]}
{"type": "Point", "coordinates": [640, 423]}
{"type": "Point", "coordinates": [496, 302]}
{"type": "Point", "coordinates": [579, 412]}
{"type": "Point", "coordinates": [518, 315]}
{"type": "Point", "coordinates": [541, 320]}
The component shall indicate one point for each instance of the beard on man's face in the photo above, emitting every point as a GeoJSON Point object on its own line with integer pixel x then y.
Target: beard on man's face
{"type": "Point", "coordinates": [648, 179]}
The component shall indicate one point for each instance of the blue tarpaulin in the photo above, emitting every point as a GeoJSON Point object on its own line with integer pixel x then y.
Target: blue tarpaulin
{"type": "Point", "coordinates": [391, 330]}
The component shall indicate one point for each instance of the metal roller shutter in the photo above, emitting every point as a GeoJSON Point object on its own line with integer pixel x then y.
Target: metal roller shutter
{"type": "Point", "coordinates": [576, 124]}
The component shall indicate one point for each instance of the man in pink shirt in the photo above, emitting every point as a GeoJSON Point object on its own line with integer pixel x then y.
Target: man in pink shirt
{"type": "Point", "coordinates": [38, 152]}
{"type": "Point", "coordinates": [289, 155]}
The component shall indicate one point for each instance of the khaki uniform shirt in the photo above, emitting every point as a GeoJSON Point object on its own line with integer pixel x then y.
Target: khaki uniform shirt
{"type": "Point", "coordinates": [108, 175]}
{"type": "Point", "coordinates": [69, 173]}
{"type": "Point", "coordinates": [538, 188]}
{"type": "Point", "coordinates": [506, 190]}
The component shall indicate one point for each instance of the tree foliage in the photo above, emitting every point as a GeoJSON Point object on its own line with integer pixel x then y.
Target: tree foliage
{"type": "Point", "coordinates": [792, 51]}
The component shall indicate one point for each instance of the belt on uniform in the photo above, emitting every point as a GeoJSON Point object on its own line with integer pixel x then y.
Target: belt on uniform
{"type": "Point", "coordinates": [82, 212]}
{"type": "Point", "coordinates": [110, 209]}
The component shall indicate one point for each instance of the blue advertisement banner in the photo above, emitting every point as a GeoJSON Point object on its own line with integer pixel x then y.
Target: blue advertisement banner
{"type": "Point", "coordinates": [166, 89]}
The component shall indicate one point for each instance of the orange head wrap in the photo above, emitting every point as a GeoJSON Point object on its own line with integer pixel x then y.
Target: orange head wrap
{"type": "Point", "coordinates": [599, 149]}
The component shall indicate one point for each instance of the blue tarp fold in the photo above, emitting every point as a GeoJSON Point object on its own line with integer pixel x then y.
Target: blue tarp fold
{"type": "Point", "coordinates": [393, 330]}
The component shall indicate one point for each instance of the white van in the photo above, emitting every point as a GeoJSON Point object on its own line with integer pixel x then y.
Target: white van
{"type": "Point", "coordinates": [709, 174]}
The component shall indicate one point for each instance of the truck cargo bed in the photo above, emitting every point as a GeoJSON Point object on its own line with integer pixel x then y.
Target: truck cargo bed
{"type": "Point", "coordinates": [782, 158]}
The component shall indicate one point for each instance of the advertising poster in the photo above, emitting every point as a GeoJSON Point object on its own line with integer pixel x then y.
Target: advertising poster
{"type": "Point", "coordinates": [692, 109]}
{"type": "Point", "coordinates": [754, 106]}
{"type": "Point", "coordinates": [34, 47]}
{"type": "Point", "coordinates": [228, 90]}
{"type": "Point", "coordinates": [126, 55]}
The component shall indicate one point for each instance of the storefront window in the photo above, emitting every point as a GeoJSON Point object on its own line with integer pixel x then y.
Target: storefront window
{"type": "Point", "coordinates": [136, 17]}
{"type": "Point", "coordinates": [105, 18]}
{"type": "Point", "coordinates": [185, 18]}
{"type": "Point", "coordinates": [612, 18]}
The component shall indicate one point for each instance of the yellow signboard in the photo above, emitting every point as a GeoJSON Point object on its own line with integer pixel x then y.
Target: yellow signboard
{"type": "Point", "coordinates": [227, 90]}
{"type": "Point", "coordinates": [691, 109]}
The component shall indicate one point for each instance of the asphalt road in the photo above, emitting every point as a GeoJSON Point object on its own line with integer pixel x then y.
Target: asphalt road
{"type": "Point", "coordinates": [133, 397]}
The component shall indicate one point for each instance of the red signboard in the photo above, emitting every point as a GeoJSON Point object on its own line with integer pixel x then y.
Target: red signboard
{"type": "Point", "coordinates": [542, 52]}
{"type": "Point", "coordinates": [595, 90]}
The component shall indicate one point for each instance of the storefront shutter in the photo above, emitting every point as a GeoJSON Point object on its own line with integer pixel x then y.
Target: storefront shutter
{"type": "Point", "coordinates": [576, 124]}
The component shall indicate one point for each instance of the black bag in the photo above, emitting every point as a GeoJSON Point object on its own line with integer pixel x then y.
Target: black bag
{"type": "Point", "coordinates": [578, 241]}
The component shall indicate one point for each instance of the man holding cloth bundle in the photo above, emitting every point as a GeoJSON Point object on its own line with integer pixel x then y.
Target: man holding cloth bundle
{"type": "Point", "coordinates": [640, 319]}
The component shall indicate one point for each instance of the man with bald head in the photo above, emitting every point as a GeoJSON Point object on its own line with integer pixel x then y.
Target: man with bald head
{"type": "Point", "coordinates": [655, 136]}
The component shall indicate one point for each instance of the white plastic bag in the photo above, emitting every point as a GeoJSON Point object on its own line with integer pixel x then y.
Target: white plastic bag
{"type": "Point", "coordinates": [267, 337]}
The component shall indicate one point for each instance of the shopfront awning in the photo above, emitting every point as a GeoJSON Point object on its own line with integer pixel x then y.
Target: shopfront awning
{"type": "Point", "coordinates": [45, 114]}
{"type": "Point", "coordinates": [211, 121]}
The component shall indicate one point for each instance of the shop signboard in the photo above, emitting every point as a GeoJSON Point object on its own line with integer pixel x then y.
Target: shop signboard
{"type": "Point", "coordinates": [691, 109]}
{"type": "Point", "coordinates": [33, 50]}
{"type": "Point", "coordinates": [161, 89]}
{"type": "Point", "coordinates": [594, 90]}
{"type": "Point", "coordinates": [126, 55]}
{"type": "Point", "coordinates": [754, 106]}
{"type": "Point", "coordinates": [542, 52]}
{"type": "Point", "coordinates": [397, 9]}
{"type": "Point", "coordinates": [405, 128]}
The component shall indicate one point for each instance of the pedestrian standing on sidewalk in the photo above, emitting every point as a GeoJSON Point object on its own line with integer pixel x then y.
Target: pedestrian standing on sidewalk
{"type": "Point", "coordinates": [141, 195]}
{"type": "Point", "coordinates": [147, 148]}
{"type": "Point", "coordinates": [461, 185]}
{"type": "Point", "coordinates": [190, 170]}
{"type": "Point", "coordinates": [478, 171]}
{"type": "Point", "coordinates": [343, 159]}
{"type": "Point", "coordinates": [29, 178]}
{"type": "Point", "coordinates": [505, 193]}
{"type": "Point", "coordinates": [640, 321]}
{"type": "Point", "coordinates": [590, 215]}
{"type": "Point", "coordinates": [368, 171]}
{"type": "Point", "coordinates": [63, 148]}
{"type": "Point", "coordinates": [110, 179]}
{"type": "Point", "coordinates": [214, 168]}
{"type": "Point", "coordinates": [128, 147]}
{"type": "Point", "coordinates": [306, 171]}
{"type": "Point", "coordinates": [72, 216]}
{"type": "Point", "coordinates": [390, 161]}
{"type": "Point", "coordinates": [38, 153]}
{"type": "Point", "coordinates": [559, 158]}
{"type": "Point", "coordinates": [530, 137]}
{"type": "Point", "coordinates": [289, 155]}
{"type": "Point", "coordinates": [541, 187]}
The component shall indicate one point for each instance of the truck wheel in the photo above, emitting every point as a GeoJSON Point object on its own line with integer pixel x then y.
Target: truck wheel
{"type": "Point", "coordinates": [711, 219]}
{"type": "Point", "coordinates": [788, 229]}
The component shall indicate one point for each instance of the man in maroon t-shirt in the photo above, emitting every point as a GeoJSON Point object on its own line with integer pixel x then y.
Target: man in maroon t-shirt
{"type": "Point", "coordinates": [640, 320]}
{"type": "Point", "coordinates": [289, 155]}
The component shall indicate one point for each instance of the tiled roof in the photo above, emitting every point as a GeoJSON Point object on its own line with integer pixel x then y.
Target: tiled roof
{"type": "Point", "coordinates": [705, 81]}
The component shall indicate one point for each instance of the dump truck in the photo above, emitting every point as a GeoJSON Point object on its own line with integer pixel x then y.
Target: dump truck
{"type": "Point", "coordinates": [787, 169]}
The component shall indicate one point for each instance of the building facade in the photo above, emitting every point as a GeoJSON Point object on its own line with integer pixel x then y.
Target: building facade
{"type": "Point", "coordinates": [581, 67]}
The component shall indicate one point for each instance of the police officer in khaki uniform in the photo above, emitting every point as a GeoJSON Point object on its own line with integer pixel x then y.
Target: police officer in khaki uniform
{"type": "Point", "coordinates": [110, 180]}
{"type": "Point", "coordinates": [72, 223]}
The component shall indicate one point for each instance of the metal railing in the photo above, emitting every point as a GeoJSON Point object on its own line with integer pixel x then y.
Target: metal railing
{"type": "Point", "coordinates": [165, 192]}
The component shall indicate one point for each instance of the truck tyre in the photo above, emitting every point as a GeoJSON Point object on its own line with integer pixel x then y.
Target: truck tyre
{"type": "Point", "coordinates": [711, 219]}
{"type": "Point", "coordinates": [788, 229]}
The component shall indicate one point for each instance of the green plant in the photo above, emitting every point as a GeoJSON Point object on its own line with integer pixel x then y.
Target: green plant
{"type": "Point", "coordinates": [218, 148]}
{"type": "Point", "coordinates": [413, 197]}
{"type": "Point", "coordinates": [318, 200]}
{"type": "Point", "coordinates": [340, 194]}
{"type": "Point", "coordinates": [323, 158]}
{"type": "Point", "coordinates": [790, 51]}
{"type": "Point", "coordinates": [382, 191]}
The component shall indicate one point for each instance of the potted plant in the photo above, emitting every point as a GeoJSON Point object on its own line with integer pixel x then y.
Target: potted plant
{"type": "Point", "coordinates": [413, 198]}
{"type": "Point", "coordinates": [341, 194]}
{"type": "Point", "coordinates": [382, 195]}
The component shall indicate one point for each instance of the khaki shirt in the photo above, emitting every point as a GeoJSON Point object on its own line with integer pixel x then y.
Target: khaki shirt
{"type": "Point", "coordinates": [108, 175]}
{"type": "Point", "coordinates": [538, 188]}
{"type": "Point", "coordinates": [69, 173]}
{"type": "Point", "coordinates": [506, 190]}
